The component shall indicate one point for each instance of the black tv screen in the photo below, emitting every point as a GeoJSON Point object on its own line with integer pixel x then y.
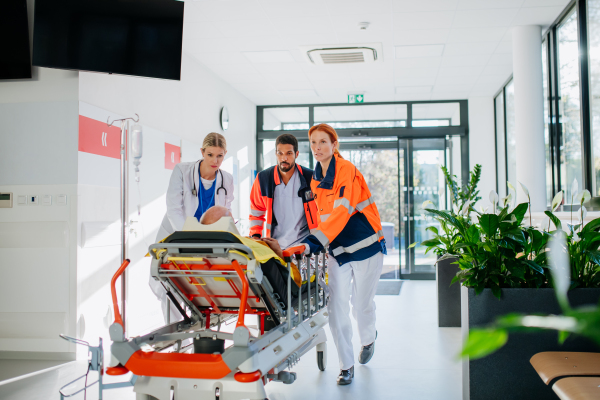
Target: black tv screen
{"type": "Point", "coordinates": [129, 37]}
{"type": "Point", "coordinates": [15, 62]}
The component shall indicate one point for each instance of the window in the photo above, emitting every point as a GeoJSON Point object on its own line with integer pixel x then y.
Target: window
{"type": "Point", "coordinates": [549, 185]}
{"type": "Point", "coordinates": [511, 146]}
{"type": "Point", "coordinates": [594, 71]}
{"type": "Point", "coordinates": [569, 104]}
{"type": "Point", "coordinates": [500, 147]}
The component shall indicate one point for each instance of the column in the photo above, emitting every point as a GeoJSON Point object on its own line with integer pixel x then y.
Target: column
{"type": "Point", "coordinates": [529, 114]}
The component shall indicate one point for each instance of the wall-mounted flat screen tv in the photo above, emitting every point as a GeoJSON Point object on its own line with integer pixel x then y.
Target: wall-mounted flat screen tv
{"type": "Point", "coordinates": [15, 62]}
{"type": "Point", "coordinates": [129, 37]}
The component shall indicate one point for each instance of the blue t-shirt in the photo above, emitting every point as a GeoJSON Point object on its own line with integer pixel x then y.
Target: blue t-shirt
{"type": "Point", "coordinates": [206, 199]}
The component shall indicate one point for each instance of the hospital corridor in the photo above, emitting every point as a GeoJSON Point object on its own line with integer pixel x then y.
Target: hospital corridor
{"type": "Point", "coordinates": [298, 199]}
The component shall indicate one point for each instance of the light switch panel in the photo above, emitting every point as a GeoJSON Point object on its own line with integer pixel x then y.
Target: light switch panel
{"type": "Point", "coordinates": [47, 200]}
{"type": "Point", "coordinates": [33, 199]}
{"type": "Point", "coordinates": [61, 200]}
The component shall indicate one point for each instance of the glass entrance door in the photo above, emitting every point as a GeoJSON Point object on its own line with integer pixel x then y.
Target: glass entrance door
{"type": "Point", "coordinates": [422, 179]}
{"type": "Point", "coordinates": [377, 160]}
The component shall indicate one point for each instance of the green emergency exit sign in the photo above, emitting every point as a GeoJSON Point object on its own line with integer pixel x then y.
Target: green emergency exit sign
{"type": "Point", "coordinates": [356, 98]}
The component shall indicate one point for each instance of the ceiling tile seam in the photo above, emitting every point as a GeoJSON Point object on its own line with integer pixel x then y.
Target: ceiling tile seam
{"type": "Point", "coordinates": [268, 83]}
{"type": "Point", "coordinates": [443, 54]}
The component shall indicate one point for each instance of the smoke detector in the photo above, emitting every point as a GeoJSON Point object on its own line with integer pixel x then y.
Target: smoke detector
{"type": "Point", "coordinates": [363, 26]}
{"type": "Point", "coordinates": [343, 54]}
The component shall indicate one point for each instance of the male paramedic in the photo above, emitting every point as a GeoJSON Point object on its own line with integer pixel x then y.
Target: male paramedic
{"type": "Point", "coordinates": [282, 197]}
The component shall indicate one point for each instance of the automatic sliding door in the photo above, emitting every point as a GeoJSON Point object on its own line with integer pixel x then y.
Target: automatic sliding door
{"type": "Point", "coordinates": [378, 162]}
{"type": "Point", "coordinates": [421, 180]}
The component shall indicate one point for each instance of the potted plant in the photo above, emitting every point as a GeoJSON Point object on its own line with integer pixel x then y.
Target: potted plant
{"type": "Point", "coordinates": [583, 321]}
{"type": "Point", "coordinates": [504, 269]}
{"type": "Point", "coordinates": [446, 240]}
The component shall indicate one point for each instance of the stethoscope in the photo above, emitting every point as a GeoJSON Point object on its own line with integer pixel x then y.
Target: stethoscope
{"type": "Point", "coordinates": [195, 192]}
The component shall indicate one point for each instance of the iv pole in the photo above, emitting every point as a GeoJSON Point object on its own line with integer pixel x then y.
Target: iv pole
{"type": "Point", "coordinates": [124, 204]}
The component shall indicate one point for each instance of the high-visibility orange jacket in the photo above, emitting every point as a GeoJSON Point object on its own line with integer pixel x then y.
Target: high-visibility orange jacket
{"type": "Point", "coordinates": [261, 200]}
{"type": "Point", "coordinates": [350, 223]}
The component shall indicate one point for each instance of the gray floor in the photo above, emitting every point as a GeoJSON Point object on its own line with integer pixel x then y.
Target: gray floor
{"type": "Point", "coordinates": [414, 359]}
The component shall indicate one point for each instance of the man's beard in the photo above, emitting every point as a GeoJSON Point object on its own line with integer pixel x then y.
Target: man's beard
{"type": "Point", "coordinates": [285, 169]}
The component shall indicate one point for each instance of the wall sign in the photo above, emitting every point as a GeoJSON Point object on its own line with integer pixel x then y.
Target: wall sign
{"type": "Point", "coordinates": [172, 155]}
{"type": "Point", "coordinates": [96, 137]}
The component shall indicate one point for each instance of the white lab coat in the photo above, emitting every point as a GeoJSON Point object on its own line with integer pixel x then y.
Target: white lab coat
{"type": "Point", "coordinates": [181, 203]}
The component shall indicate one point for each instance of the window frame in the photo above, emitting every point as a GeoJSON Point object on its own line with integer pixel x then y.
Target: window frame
{"type": "Point", "coordinates": [554, 125]}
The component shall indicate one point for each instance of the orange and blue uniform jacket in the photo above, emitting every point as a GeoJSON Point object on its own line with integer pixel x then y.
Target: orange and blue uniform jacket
{"type": "Point", "coordinates": [350, 223]}
{"type": "Point", "coordinates": [261, 200]}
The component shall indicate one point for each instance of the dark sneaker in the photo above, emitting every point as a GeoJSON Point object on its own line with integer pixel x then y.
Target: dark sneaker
{"type": "Point", "coordinates": [345, 376]}
{"type": "Point", "coordinates": [366, 352]}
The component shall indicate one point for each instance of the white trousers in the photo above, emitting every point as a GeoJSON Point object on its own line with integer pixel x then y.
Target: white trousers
{"type": "Point", "coordinates": [356, 283]}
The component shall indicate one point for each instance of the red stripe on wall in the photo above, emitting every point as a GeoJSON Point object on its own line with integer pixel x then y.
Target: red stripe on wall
{"type": "Point", "coordinates": [172, 155]}
{"type": "Point", "coordinates": [96, 137]}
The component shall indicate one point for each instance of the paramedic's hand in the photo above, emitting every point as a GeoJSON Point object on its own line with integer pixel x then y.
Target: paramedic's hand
{"type": "Point", "coordinates": [274, 245]}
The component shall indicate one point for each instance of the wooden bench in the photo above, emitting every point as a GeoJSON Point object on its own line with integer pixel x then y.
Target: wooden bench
{"type": "Point", "coordinates": [577, 388]}
{"type": "Point", "coordinates": [580, 373]}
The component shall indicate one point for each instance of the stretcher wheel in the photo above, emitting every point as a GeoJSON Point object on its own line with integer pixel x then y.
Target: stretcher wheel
{"type": "Point", "coordinates": [322, 359]}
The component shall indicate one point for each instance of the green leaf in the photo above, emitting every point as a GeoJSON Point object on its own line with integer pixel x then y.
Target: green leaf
{"type": "Point", "coordinates": [516, 235]}
{"type": "Point", "coordinates": [519, 212]}
{"type": "Point", "coordinates": [430, 242]}
{"type": "Point", "coordinates": [473, 234]}
{"type": "Point", "coordinates": [446, 216]}
{"type": "Point", "coordinates": [594, 256]}
{"type": "Point", "coordinates": [413, 245]}
{"type": "Point", "coordinates": [592, 225]}
{"type": "Point", "coordinates": [490, 224]}
{"type": "Point", "coordinates": [554, 219]}
{"type": "Point", "coordinates": [432, 229]}
{"type": "Point", "coordinates": [482, 342]}
{"type": "Point", "coordinates": [534, 266]}
{"type": "Point", "coordinates": [562, 336]}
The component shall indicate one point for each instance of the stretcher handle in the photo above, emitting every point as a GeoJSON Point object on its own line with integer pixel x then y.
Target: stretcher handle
{"type": "Point", "coordinates": [287, 253]}
{"type": "Point", "coordinates": [113, 292]}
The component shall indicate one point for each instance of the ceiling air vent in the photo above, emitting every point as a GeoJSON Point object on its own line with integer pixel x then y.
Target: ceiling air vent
{"type": "Point", "coordinates": [347, 54]}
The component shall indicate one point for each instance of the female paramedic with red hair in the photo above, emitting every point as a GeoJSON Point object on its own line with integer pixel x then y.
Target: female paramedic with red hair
{"type": "Point", "coordinates": [351, 226]}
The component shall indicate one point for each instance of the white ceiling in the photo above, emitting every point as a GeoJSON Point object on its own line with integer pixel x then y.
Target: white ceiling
{"type": "Point", "coordinates": [432, 49]}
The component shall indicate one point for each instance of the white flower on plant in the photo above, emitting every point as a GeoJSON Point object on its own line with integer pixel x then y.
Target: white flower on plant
{"type": "Point", "coordinates": [483, 210]}
{"type": "Point", "coordinates": [576, 238]}
{"type": "Point", "coordinates": [428, 204]}
{"type": "Point", "coordinates": [582, 214]}
{"type": "Point", "coordinates": [510, 186]}
{"type": "Point", "coordinates": [557, 200]}
{"type": "Point", "coordinates": [525, 190]}
{"type": "Point", "coordinates": [465, 209]}
{"type": "Point", "coordinates": [574, 189]}
{"type": "Point", "coordinates": [493, 197]}
{"type": "Point", "coordinates": [455, 208]}
{"type": "Point", "coordinates": [545, 223]}
{"type": "Point", "coordinates": [560, 267]}
{"type": "Point", "coordinates": [583, 197]}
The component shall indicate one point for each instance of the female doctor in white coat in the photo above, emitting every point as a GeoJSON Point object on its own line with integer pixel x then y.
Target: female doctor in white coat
{"type": "Point", "coordinates": [194, 188]}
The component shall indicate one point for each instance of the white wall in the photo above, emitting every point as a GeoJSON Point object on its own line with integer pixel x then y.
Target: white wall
{"type": "Point", "coordinates": [38, 156]}
{"type": "Point", "coordinates": [189, 108]}
{"type": "Point", "coordinates": [482, 144]}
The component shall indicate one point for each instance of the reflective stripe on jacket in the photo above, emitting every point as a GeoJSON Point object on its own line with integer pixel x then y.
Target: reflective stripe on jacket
{"type": "Point", "coordinates": [350, 223]}
{"type": "Point", "coordinates": [261, 200]}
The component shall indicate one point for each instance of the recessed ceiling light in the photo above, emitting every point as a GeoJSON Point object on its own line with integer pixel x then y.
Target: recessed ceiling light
{"type": "Point", "coordinates": [434, 50]}
{"type": "Point", "coordinates": [269, 56]}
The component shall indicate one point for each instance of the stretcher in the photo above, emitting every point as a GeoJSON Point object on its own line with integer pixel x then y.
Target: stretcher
{"type": "Point", "coordinates": [211, 277]}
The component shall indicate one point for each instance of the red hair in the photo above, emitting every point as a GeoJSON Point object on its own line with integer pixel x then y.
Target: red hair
{"type": "Point", "coordinates": [333, 136]}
